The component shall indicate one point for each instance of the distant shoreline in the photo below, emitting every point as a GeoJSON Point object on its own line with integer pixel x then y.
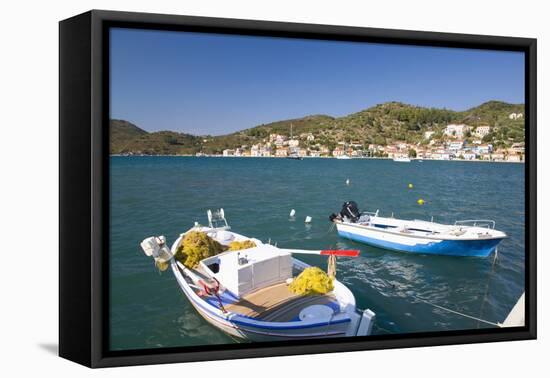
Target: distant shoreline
{"type": "Point", "coordinates": [320, 157]}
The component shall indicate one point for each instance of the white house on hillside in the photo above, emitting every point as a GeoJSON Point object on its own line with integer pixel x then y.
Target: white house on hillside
{"type": "Point", "coordinates": [293, 143]}
{"type": "Point", "coordinates": [428, 134]}
{"type": "Point", "coordinates": [457, 131]}
{"type": "Point", "coordinates": [481, 131]}
{"type": "Point", "coordinates": [516, 116]}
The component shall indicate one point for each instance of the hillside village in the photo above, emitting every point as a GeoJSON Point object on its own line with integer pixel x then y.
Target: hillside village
{"type": "Point", "coordinates": [454, 146]}
{"type": "Point", "coordinates": [494, 131]}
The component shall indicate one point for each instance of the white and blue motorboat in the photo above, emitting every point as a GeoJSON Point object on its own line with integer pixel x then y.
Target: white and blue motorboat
{"type": "Point", "coordinates": [464, 238]}
{"type": "Point", "coordinates": [245, 293]}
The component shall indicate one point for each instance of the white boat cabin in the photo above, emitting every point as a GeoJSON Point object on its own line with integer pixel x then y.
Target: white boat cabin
{"type": "Point", "coordinates": [242, 272]}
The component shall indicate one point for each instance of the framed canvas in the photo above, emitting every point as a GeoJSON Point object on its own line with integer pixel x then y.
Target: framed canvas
{"type": "Point", "coordinates": [235, 188]}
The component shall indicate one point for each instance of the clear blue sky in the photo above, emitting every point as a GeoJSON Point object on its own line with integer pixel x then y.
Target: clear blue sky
{"type": "Point", "coordinates": [216, 84]}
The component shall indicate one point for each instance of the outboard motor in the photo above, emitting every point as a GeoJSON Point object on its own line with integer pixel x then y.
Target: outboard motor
{"type": "Point", "coordinates": [156, 247]}
{"type": "Point", "coordinates": [350, 210]}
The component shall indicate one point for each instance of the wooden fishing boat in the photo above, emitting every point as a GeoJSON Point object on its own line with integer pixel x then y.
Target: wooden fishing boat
{"type": "Point", "coordinates": [245, 293]}
{"type": "Point", "coordinates": [464, 238]}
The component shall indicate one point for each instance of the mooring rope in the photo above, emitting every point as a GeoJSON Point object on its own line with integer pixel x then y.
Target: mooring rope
{"type": "Point", "coordinates": [382, 329]}
{"type": "Point", "coordinates": [490, 276]}
{"type": "Point", "coordinates": [459, 313]}
{"type": "Point", "coordinates": [422, 300]}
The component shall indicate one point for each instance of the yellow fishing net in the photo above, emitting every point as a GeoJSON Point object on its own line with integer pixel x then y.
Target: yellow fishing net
{"type": "Point", "coordinates": [237, 245]}
{"type": "Point", "coordinates": [196, 246]}
{"type": "Point", "coordinates": [312, 281]}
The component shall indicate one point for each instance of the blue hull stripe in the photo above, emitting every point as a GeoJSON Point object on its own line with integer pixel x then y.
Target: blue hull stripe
{"type": "Point", "coordinates": [239, 319]}
{"type": "Point", "coordinates": [480, 248]}
{"type": "Point", "coordinates": [314, 325]}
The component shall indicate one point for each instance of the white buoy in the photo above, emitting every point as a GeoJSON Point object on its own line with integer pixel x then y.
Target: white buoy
{"type": "Point", "coordinates": [292, 213]}
{"type": "Point", "coordinates": [308, 219]}
{"type": "Point", "coordinates": [347, 181]}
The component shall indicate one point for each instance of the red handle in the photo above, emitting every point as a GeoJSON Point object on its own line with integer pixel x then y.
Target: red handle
{"type": "Point", "coordinates": [341, 252]}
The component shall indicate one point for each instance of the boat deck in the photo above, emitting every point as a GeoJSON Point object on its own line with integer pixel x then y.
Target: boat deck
{"type": "Point", "coordinates": [276, 303]}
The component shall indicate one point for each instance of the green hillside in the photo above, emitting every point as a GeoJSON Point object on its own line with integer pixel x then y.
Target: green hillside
{"type": "Point", "coordinates": [128, 138]}
{"type": "Point", "coordinates": [381, 124]}
{"type": "Point", "coordinates": [123, 132]}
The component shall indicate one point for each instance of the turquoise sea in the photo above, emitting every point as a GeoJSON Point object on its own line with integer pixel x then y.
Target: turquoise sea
{"type": "Point", "coordinates": [165, 195]}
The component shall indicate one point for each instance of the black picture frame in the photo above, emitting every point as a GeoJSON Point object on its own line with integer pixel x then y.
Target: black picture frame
{"type": "Point", "coordinates": [84, 187]}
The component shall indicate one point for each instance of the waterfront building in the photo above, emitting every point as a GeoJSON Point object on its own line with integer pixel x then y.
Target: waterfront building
{"type": "Point", "coordinates": [324, 151]}
{"type": "Point", "coordinates": [255, 150]}
{"type": "Point", "coordinates": [338, 151]}
{"type": "Point", "coordinates": [518, 147]}
{"type": "Point", "coordinates": [455, 145]}
{"type": "Point", "coordinates": [513, 157]}
{"type": "Point", "coordinates": [228, 152]}
{"type": "Point", "coordinates": [483, 149]}
{"type": "Point", "coordinates": [265, 151]}
{"type": "Point", "coordinates": [391, 151]}
{"type": "Point", "coordinates": [497, 156]}
{"type": "Point", "coordinates": [469, 155]}
{"type": "Point", "coordinates": [281, 152]}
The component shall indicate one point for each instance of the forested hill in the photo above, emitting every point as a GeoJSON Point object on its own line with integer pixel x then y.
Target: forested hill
{"type": "Point", "coordinates": [382, 124]}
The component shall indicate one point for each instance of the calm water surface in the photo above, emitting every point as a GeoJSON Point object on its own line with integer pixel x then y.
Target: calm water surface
{"type": "Point", "coordinates": [165, 195]}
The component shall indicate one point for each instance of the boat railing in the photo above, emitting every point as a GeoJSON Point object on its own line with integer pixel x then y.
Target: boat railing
{"type": "Point", "coordinates": [489, 223]}
{"type": "Point", "coordinates": [371, 213]}
{"type": "Point", "coordinates": [216, 220]}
